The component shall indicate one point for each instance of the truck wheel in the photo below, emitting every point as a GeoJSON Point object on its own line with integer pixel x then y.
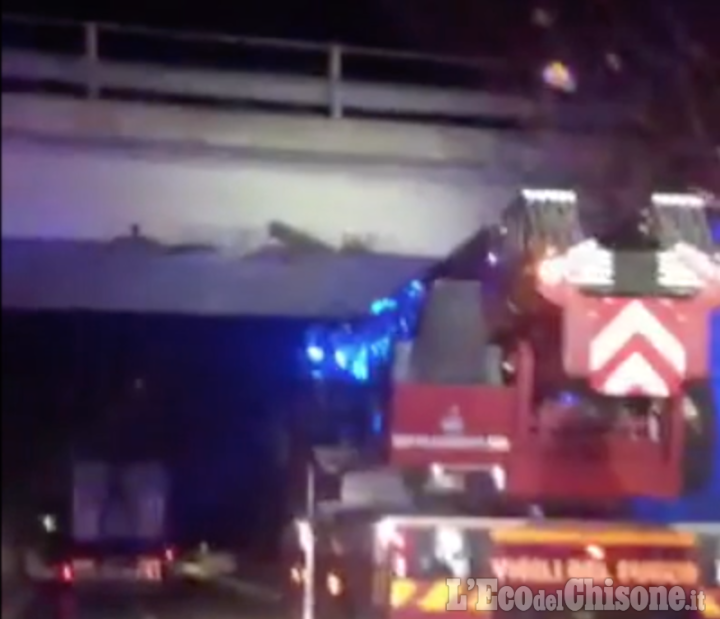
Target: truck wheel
{"type": "Point", "coordinates": [700, 437]}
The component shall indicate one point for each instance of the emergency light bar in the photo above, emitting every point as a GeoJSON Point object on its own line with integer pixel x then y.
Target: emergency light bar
{"type": "Point", "coordinates": [586, 264]}
{"type": "Point", "coordinates": [704, 265]}
{"type": "Point", "coordinates": [681, 200]}
{"type": "Point", "coordinates": [589, 264]}
{"type": "Point", "coordinates": [674, 272]}
{"type": "Point", "coordinates": [549, 195]}
{"type": "Point", "coordinates": [566, 196]}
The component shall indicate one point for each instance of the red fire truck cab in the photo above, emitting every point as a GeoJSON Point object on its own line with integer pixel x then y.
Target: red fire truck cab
{"type": "Point", "coordinates": [412, 566]}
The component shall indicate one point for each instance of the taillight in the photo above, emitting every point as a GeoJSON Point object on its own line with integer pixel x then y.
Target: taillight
{"type": "Point", "coordinates": [66, 572]}
{"type": "Point", "coordinates": [169, 555]}
{"type": "Point", "coordinates": [334, 584]}
{"type": "Point", "coordinates": [297, 574]}
{"type": "Point", "coordinates": [150, 569]}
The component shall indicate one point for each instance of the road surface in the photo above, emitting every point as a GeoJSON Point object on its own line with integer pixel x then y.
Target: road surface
{"type": "Point", "coordinates": [183, 600]}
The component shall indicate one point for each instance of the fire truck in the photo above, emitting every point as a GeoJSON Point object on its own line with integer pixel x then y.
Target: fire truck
{"type": "Point", "coordinates": [573, 358]}
{"type": "Point", "coordinates": [395, 564]}
{"type": "Point", "coordinates": [568, 376]}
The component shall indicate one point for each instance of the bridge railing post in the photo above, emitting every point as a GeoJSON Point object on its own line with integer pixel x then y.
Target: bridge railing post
{"type": "Point", "coordinates": [335, 75]}
{"type": "Point", "coordinates": [91, 34]}
{"type": "Point", "coordinates": [103, 57]}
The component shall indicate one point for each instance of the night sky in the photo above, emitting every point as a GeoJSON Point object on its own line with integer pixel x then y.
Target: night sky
{"type": "Point", "coordinates": [467, 27]}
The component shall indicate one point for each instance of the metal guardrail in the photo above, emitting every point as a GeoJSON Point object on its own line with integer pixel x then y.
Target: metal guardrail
{"type": "Point", "coordinates": [92, 31]}
{"type": "Point", "coordinates": [104, 59]}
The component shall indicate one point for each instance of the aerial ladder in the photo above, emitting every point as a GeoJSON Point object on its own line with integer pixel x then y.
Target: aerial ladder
{"type": "Point", "coordinates": [578, 365]}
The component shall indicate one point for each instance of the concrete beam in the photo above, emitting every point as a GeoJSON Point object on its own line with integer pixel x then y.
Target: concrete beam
{"type": "Point", "coordinates": [306, 137]}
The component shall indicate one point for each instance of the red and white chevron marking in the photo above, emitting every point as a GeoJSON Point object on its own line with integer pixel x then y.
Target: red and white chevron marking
{"type": "Point", "coordinates": [636, 350]}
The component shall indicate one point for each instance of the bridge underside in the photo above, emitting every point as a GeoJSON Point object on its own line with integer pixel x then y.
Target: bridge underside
{"type": "Point", "coordinates": [121, 277]}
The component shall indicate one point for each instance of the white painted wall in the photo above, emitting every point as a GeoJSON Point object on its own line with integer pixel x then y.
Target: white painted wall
{"type": "Point", "coordinates": [77, 191]}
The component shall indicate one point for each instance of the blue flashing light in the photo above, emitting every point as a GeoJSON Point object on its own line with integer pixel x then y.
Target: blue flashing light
{"type": "Point", "coordinates": [714, 220]}
{"type": "Point", "coordinates": [353, 351]}
{"type": "Point", "coordinates": [315, 354]}
{"type": "Point", "coordinates": [377, 422]}
{"type": "Point", "coordinates": [568, 399]}
{"type": "Point", "coordinates": [715, 377]}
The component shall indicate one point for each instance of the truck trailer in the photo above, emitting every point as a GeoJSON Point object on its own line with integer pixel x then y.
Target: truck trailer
{"type": "Point", "coordinates": [117, 526]}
